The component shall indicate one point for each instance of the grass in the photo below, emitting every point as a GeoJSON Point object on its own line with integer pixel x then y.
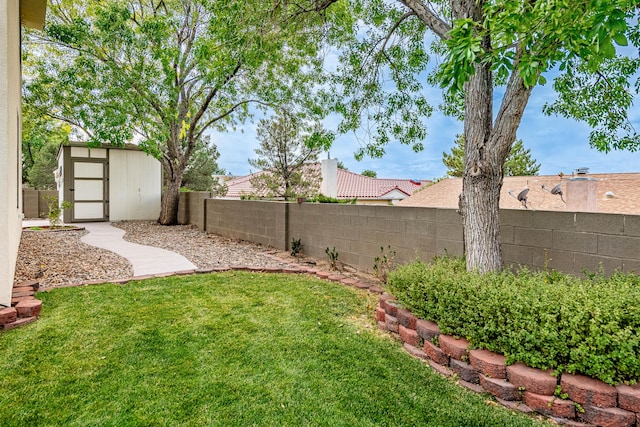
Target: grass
{"type": "Point", "coordinates": [232, 349]}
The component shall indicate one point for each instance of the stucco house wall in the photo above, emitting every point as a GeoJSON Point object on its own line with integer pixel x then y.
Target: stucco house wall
{"type": "Point", "coordinates": [10, 132]}
{"type": "Point", "coordinates": [10, 80]}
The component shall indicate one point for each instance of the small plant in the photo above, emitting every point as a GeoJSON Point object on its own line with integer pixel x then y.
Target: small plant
{"type": "Point", "coordinates": [384, 263]}
{"type": "Point", "coordinates": [579, 407]}
{"type": "Point", "coordinates": [333, 257]}
{"type": "Point", "coordinates": [558, 393]}
{"type": "Point", "coordinates": [296, 246]}
{"type": "Point", "coordinates": [56, 209]}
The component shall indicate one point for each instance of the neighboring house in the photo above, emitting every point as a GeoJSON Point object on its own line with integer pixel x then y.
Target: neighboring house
{"type": "Point", "coordinates": [343, 185]}
{"type": "Point", "coordinates": [375, 190]}
{"type": "Point", "coordinates": [604, 193]}
{"type": "Point", "coordinates": [13, 14]}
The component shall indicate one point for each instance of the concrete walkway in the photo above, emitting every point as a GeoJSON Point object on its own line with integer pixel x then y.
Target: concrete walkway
{"type": "Point", "coordinates": [145, 260]}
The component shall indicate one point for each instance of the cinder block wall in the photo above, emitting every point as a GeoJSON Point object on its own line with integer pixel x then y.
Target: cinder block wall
{"type": "Point", "coordinates": [358, 232]}
{"type": "Point", "coordinates": [34, 204]}
{"type": "Point", "coordinates": [255, 221]}
{"type": "Point", "coordinates": [565, 241]}
{"type": "Point", "coordinates": [191, 208]}
{"type": "Point", "coordinates": [571, 241]}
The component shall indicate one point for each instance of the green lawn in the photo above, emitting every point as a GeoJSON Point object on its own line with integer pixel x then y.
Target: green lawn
{"type": "Point", "coordinates": [225, 349]}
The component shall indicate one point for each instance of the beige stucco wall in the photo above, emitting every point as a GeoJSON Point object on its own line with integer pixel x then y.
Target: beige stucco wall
{"type": "Point", "coordinates": [11, 208]}
{"type": "Point", "coordinates": [135, 186]}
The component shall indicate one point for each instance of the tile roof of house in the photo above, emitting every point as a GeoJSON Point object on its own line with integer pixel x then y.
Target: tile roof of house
{"type": "Point", "coordinates": [350, 185]}
{"type": "Point", "coordinates": [239, 186]}
{"type": "Point", "coordinates": [625, 188]}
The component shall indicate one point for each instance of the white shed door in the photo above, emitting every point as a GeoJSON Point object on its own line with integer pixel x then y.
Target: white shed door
{"type": "Point", "coordinates": [89, 190]}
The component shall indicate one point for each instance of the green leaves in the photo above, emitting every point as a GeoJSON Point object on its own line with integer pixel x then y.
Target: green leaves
{"type": "Point", "coordinates": [464, 50]}
{"type": "Point", "coordinates": [602, 99]}
{"type": "Point", "coordinates": [376, 88]}
{"type": "Point", "coordinates": [546, 320]}
{"type": "Point", "coordinates": [288, 145]}
{"type": "Point", "coordinates": [518, 163]}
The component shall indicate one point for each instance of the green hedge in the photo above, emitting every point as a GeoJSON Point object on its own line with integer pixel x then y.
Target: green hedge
{"type": "Point", "coordinates": [545, 320]}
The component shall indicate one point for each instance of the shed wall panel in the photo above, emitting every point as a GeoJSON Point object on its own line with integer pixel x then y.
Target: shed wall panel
{"type": "Point", "coordinates": [134, 186]}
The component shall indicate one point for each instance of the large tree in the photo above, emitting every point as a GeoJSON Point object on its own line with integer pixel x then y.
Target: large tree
{"type": "Point", "coordinates": [41, 139]}
{"type": "Point", "coordinates": [518, 163]}
{"type": "Point", "coordinates": [166, 71]}
{"type": "Point", "coordinates": [483, 45]}
{"type": "Point", "coordinates": [285, 156]}
{"type": "Point", "coordinates": [202, 171]}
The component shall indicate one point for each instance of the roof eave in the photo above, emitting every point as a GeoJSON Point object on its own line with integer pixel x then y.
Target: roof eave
{"type": "Point", "coordinates": [32, 13]}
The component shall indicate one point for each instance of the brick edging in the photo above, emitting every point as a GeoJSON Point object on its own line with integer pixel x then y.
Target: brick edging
{"type": "Point", "coordinates": [24, 309]}
{"type": "Point", "coordinates": [586, 402]}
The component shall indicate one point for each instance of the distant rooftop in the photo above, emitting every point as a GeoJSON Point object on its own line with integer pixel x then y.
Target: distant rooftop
{"type": "Point", "coordinates": [350, 185]}
{"type": "Point", "coordinates": [616, 193]}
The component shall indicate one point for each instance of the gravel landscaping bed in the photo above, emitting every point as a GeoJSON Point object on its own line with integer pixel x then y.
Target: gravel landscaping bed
{"type": "Point", "coordinates": [60, 258]}
{"type": "Point", "coordinates": [204, 250]}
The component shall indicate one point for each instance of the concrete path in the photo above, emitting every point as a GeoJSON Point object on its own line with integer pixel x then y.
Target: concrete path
{"type": "Point", "coordinates": [144, 259]}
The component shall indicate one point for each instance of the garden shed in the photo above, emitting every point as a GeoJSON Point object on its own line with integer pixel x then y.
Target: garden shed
{"type": "Point", "coordinates": [108, 183]}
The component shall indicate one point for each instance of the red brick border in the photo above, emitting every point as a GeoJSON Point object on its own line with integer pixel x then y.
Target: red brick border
{"type": "Point", "coordinates": [590, 402]}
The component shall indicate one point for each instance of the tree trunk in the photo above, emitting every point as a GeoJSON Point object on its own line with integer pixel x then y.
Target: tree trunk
{"type": "Point", "coordinates": [482, 179]}
{"type": "Point", "coordinates": [485, 156]}
{"type": "Point", "coordinates": [170, 199]}
{"type": "Point", "coordinates": [480, 202]}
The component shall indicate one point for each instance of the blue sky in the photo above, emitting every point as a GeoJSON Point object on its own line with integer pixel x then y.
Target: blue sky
{"type": "Point", "coordinates": [558, 144]}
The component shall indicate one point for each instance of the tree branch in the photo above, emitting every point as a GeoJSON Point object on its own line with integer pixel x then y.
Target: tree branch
{"type": "Point", "coordinates": [228, 112]}
{"type": "Point", "coordinates": [71, 122]}
{"type": "Point", "coordinates": [430, 19]}
{"type": "Point", "coordinates": [205, 104]}
{"type": "Point", "coordinates": [395, 27]}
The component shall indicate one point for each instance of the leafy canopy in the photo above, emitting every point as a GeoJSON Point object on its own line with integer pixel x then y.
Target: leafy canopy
{"type": "Point", "coordinates": [378, 85]}
{"type": "Point", "coordinates": [203, 165]}
{"type": "Point", "coordinates": [167, 71]}
{"type": "Point", "coordinates": [41, 139]}
{"type": "Point", "coordinates": [122, 67]}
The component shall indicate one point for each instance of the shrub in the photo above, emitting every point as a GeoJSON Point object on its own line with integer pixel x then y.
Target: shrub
{"type": "Point", "coordinates": [333, 257]}
{"type": "Point", "coordinates": [321, 198]}
{"type": "Point", "coordinates": [546, 320]}
{"type": "Point", "coordinates": [384, 263]}
{"type": "Point", "coordinates": [296, 246]}
{"type": "Point", "coordinates": [55, 210]}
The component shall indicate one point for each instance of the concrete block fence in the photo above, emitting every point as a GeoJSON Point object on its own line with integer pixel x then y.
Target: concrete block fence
{"type": "Point", "coordinates": [589, 402]}
{"type": "Point", "coordinates": [34, 205]}
{"type": "Point", "coordinates": [565, 241]}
